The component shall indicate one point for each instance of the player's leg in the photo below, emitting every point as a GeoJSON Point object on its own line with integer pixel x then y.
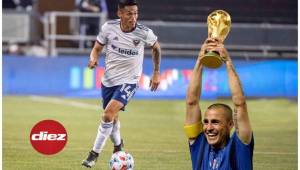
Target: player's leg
{"type": "Point", "coordinates": [115, 136]}
{"type": "Point", "coordinates": [124, 93]}
{"type": "Point", "coordinates": [193, 113]}
{"type": "Point", "coordinates": [104, 131]}
{"type": "Point", "coordinates": [107, 94]}
{"type": "Point", "coordinates": [106, 126]}
{"type": "Point", "coordinates": [118, 97]}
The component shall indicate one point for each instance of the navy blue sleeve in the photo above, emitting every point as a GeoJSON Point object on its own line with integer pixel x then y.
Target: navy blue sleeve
{"type": "Point", "coordinates": [243, 153]}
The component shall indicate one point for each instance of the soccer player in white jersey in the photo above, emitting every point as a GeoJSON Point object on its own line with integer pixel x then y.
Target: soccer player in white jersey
{"type": "Point", "coordinates": [124, 40]}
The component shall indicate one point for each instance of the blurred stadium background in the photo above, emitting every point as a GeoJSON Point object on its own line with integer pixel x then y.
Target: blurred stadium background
{"type": "Point", "coordinates": [45, 52]}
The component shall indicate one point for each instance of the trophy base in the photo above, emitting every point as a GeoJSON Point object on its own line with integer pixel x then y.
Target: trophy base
{"type": "Point", "coordinates": [211, 60]}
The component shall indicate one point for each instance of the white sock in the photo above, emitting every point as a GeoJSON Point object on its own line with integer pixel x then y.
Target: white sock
{"type": "Point", "coordinates": [115, 135]}
{"type": "Point", "coordinates": [104, 131]}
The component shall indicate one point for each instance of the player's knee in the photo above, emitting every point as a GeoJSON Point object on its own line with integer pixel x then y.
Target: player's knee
{"type": "Point", "coordinates": [108, 116]}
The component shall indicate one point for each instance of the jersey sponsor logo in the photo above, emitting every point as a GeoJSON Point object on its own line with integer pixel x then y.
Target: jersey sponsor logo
{"type": "Point", "coordinates": [136, 42]}
{"type": "Point", "coordinates": [124, 50]}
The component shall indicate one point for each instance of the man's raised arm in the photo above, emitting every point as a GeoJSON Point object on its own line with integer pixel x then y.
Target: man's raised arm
{"type": "Point", "coordinates": [240, 113]}
{"type": "Point", "coordinates": [193, 124]}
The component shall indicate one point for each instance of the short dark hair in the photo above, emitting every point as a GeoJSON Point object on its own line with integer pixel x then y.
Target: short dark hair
{"type": "Point", "coordinates": [226, 108]}
{"type": "Point", "coordinates": [123, 3]}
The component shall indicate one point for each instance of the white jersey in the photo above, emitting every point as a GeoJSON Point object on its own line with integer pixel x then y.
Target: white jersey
{"type": "Point", "coordinates": [124, 52]}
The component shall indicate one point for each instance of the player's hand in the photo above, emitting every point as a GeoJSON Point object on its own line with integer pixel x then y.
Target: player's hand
{"type": "Point", "coordinates": [212, 44]}
{"type": "Point", "coordinates": [155, 80]}
{"type": "Point", "coordinates": [209, 45]}
{"type": "Point", "coordinates": [223, 52]}
{"type": "Point", "coordinates": [92, 64]}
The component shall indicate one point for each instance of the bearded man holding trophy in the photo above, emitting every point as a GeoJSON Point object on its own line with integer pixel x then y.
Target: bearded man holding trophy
{"type": "Point", "coordinates": [211, 145]}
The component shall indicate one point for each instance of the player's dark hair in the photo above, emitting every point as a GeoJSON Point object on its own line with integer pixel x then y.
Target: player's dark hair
{"type": "Point", "coordinates": [123, 3]}
{"type": "Point", "coordinates": [225, 107]}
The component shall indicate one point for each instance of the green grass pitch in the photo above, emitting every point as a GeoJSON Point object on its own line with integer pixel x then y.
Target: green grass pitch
{"type": "Point", "coordinates": [152, 130]}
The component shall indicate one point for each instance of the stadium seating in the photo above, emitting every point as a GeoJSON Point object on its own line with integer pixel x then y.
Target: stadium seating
{"type": "Point", "coordinates": [267, 11]}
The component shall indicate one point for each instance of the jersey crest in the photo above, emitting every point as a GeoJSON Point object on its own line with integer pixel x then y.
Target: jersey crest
{"type": "Point", "coordinates": [136, 42]}
{"type": "Point", "coordinates": [116, 38]}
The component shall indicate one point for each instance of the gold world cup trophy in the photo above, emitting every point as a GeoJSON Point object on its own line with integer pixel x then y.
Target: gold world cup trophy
{"type": "Point", "coordinates": [219, 23]}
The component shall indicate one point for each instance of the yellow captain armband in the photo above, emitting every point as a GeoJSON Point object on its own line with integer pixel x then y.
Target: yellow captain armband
{"type": "Point", "coordinates": [192, 131]}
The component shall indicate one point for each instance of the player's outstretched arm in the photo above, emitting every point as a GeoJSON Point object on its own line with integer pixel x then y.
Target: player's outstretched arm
{"type": "Point", "coordinates": [156, 56]}
{"type": "Point", "coordinates": [96, 51]}
{"type": "Point", "coordinates": [193, 124]}
{"type": "Point", "coordinates": [240, 113]}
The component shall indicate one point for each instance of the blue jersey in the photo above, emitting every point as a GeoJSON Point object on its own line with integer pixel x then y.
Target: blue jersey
{"type": "Point", "coordinates": [234, 156]}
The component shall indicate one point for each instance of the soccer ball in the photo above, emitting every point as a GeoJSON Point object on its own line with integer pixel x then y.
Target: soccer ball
{"type": "Point", "coordinates": [121, 161]}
